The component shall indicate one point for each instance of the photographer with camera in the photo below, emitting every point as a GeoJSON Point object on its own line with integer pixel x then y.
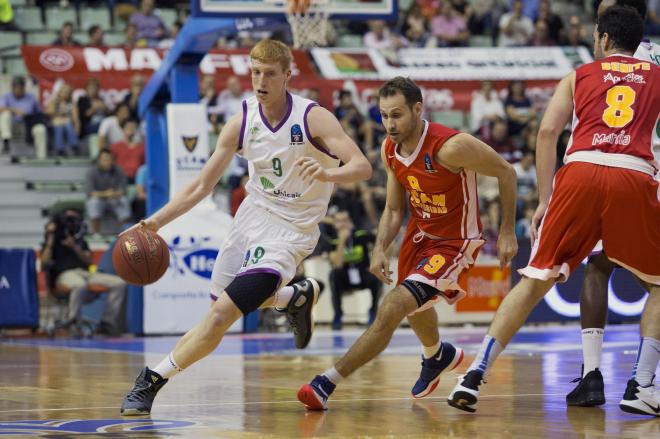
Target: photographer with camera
{"type": "Point", "coordinates": [66, 258]}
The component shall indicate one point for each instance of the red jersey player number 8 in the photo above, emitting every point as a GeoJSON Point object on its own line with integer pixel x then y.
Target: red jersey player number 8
{"type": "Point", "coordinates": [619, 110]}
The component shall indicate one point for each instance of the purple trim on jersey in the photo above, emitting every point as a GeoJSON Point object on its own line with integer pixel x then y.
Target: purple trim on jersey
{"type": "Point", "coordinates": [243, 122]}
{"type": "Point", "coordinates": [213, 297]}
{"type": "Point", "coordinates": [309, 136]}
{"type": "Point", "coordinates": [289, 104]}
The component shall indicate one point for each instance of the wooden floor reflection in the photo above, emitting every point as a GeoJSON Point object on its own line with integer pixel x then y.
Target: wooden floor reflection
{"type": "Point", "coordinates": [47, 390]}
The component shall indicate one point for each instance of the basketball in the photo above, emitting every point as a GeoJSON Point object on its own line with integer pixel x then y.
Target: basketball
{"type": "Point", "coordinates": [140, 256]}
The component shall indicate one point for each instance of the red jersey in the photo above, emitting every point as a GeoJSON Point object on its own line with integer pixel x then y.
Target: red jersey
{"type": "Point", "coordinates": [443, 204]}
{"type": "Point", "coordinates": [616, 101]}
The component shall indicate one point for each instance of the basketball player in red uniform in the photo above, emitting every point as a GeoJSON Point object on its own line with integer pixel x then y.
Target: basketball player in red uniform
{"type": "Point", "coordinates": [605, 191]}
{"type": "Point", "coordinates": [437, 166]}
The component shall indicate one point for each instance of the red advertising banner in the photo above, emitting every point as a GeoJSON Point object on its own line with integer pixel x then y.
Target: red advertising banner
{"type": "Point", "coordinates": [486, 287]}
{"type": "Point", "coordinates": [114, 67]}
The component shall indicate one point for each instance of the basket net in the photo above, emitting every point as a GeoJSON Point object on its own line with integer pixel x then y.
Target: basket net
{"type": "Point", "coordinates": [309, 22]}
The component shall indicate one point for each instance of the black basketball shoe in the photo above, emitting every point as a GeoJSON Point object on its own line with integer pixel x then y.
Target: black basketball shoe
{"type": "Point", "coordinates": [466, 393]}
{"type": "Point", "coordinates": [589, 392]}
{"type": "Point", "coordinates": [141, 397]}
{"type": "Point", "coordinates": [299, 311]}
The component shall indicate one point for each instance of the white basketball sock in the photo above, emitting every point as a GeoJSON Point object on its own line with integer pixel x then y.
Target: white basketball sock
{"type": "Point", "coordinates": [490, 349]}
{"type": "Point", "coordinates": [168, 367]}
{"type": "Point", "coordinates": [283, 297]}
{"type": "Point", "coordinates": [430, 351]}
{"type": "Point", "coordinates": [592, 346]}
{"type": "Point", "coordinates": [333, 375]}
{"type": "Point", "coordinates": [647, 361]}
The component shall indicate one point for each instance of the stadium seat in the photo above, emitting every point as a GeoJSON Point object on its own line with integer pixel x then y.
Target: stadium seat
{"type": "Point", "coordinates": [481, 41]}
{"type": "Point", "coordinates": [13, 66]}
{"type": "Point", "coordinates": [169, 16]}
{"type": "Point", "coordinates": [10, 39]}
{"type": "Point", "coordinates": [41, 37]}
{"type": "Point", "coordinates": [56, 17]}
{"type": "Point", "coordinates": [114, 38]}
{"type": "Point", "coordinates": [28, 18]}
{"type": "Point", "coordinates": [451, 118]}
{"type": "Point", "coordinates": [91, 16]}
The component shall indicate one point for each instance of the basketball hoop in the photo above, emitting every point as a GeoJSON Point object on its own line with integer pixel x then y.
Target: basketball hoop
{"type": "Point", "coordinates": [309, 22]}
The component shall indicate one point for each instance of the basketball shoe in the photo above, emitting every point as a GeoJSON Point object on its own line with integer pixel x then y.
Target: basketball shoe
{"type": "Point", "coordinates": [466, 393]}
{"type": "Point", "coordinates": [447, 358]}
{"type": "Point", "coordinates": [141, 397]}
{"type": "Point", "coordinates": [590, 390]}
{"type": "Point", "coordinates": [640, 400]}
{"type": "Point", "coordinates": [315, 394]}
{"type": "Point", "coordinates": [299, 312]}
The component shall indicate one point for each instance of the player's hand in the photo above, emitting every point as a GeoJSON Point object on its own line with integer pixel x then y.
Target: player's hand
{"type": "Point", "coordinates": [507, 247]}
{"type": "Point", "coordinates": [311, 169]}
{"type": "Point", "coordinates": [536, 221]}
{"type": "Point", "coordinates": [146, 223]}
{"type": "Point", "coordinates": [380, 266]}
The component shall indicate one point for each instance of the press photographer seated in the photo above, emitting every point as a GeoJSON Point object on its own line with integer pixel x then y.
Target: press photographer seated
{"type": "Point", "coordinates": [66, 258]}
{"type": "Point", "coordinates": [349, 255]}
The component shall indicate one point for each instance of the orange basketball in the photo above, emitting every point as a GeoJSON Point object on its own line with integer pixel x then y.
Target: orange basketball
{"type": "Point", "coordinates": [298, 6]}
{"type": "Point", "coordinates": [140, 256]}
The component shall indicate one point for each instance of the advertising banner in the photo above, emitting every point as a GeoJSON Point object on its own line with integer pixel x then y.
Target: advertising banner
{"type": "Point", "coordinates": [180, 299]}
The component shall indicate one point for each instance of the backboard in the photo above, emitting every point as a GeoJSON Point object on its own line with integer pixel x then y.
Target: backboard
{"type": "Point", "coordinates": [347, 9]}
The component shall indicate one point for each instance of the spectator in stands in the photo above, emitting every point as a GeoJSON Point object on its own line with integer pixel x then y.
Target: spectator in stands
{"type": "Point", "coordinates": [351, 198]}
{"type": "Point", "coordinates": [415, 26]}
{"type": "Point", "coordinates": [498, 138]}
{"type": "Point", "coordinates": [150, 27]}
{"type": "Point", "coordinates": [131, 99]}
{"type": "Point", "coordinates": [66, 258]}
{"type": "Point", "coordinates": [129, 152]}
{"type": "Point", "coordinates": [554, 21]}
{"type": "Point", "coordinates": [95, 34]}
{"type": "Point", "coordinates": [381, 37]}
{"type": "Point", "coordinates": [530, 8]}
{"type": "Point", "coordinates": [139, 203]}
{"type": "Point", "coordinates": [110, 130]}
{"type": "Point", "coordinates": [530, 135]}
{"type": "Point", "coordinates": [653, 18]}
{"type": "Point", "coordinates": [519, 108]}
{"type": "Point", "coordinates": [541, 36]}
{"type": "Point", "coordinates": [515, 28]}
{"type": "Point", "coordinates": [489, 231]}
{"type": "Point", "coordinates": [348, 250]}
{"type": "Point", "coordinates": [106, 191]}
{"type": "Point", "coordinates": [485, 107]}
{"type": "Point", "coordinates": [449, 28]}
{"type": "Point", "coordinates": [526, 178]}
{"type": "Point", "coordinates": [231, 98]}
{"type": "Point", "coordinates": [7, 17]}
{"type": "Point", "coordinates": [21, 109]}
{"type": "Point", "coordinates": [131, 37]}
{"type": "Point", "coordinates": [65, 131]}
{"type": "Point", "coordinates": [168, 42]}
{"type": "Point", "coordinates": [575, 34]}
{"type": "Point", "coordinates": [350, 117]}
{"type": "Point", "coordinates": [483, 17]}
{"type": "Point", "coordinates": [90, 110]}
{"type": "Point", "coordinates": [65, 37]}
{"type": "Point", "coordinates": [209, 97]}
{"type": "Point", "coordinates": [524, 224]}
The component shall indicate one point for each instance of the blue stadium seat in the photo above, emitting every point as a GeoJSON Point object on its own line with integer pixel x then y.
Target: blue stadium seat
{"type": "Point", "coordinates": [28, 18]}
{"type": "Point", "coordinates": [56, 17]}
{"type": "Point", "coordinates": [91, 16]}
{"type": "Point", "coordinates": [41, 37]}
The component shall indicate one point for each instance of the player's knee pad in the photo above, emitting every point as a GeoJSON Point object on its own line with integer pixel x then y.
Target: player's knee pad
{"type": "Point", "coordinates": [421, 292]}
{"type": "Point", "coordinates": [249, 291]}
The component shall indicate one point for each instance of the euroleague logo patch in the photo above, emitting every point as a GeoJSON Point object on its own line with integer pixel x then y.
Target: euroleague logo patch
{"type": "Point", "coordinates": [56, 60]}
{"type": "Point", "coordinates": [77, 426]}
{"type": "Point", "coordinates": [296, 135]}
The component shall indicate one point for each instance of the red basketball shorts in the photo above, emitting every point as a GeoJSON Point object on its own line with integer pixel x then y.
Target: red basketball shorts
{"type": "Point", "coordinates": [437, 263]}
{"type": "Point", "coordinates": [591, 202]}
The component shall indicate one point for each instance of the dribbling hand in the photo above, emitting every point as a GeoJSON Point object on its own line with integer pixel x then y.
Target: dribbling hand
{"type": "Point", "coordinates": [380, 266]}
{"type": "Point", "coordinates": [146, 223]}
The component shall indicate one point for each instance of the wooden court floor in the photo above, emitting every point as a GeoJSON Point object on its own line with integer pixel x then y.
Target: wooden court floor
{"type": "Point", "coordinates": [247, 388]}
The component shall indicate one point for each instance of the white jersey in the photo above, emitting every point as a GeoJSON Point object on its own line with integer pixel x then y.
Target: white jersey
{"type": "Point", "coordinates": [649, 51]}
{"type": "Point", "coordinates": [271, 152]}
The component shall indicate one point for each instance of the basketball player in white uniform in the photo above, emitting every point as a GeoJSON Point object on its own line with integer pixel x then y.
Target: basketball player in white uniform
{"type": "Point", "coordinates": [293, 147]}
{"type": "Point", "coordinates": [589, 391]}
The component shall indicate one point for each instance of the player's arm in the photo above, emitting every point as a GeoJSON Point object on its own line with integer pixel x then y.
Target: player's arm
{"type": "Point", "coordinates": [202, 186]}
{"type": "Point", "coordinates": [326, 130]}
{"type": "Point", "coordinates": [464, 151]}
{"type": "Point", "coordinates": [389, 225]}
{"type": "Point", "coordinates": [556, 116]}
